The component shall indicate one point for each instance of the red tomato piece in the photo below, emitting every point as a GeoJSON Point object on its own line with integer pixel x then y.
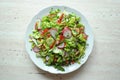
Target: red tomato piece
{"type": "Point", "coordinates": [52, 45]}
{"type": "Point", "coordinates": [44, 31]}
{"type": "Point", "coordinates": [62, 37]}
{"type": "Point", "coordinates": [60, 18]}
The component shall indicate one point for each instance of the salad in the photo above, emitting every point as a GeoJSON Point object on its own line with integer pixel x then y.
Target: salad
{"type": "Point", "coordinates": [59, 39]}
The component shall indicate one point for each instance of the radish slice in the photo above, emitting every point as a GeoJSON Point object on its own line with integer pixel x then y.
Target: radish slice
{"type": "Point", "coordinates": [61, 46]}
{"type": "Point", "coordinates": [36, 49]}
{"type": "Point", "coordinates": [67, 32]}
{"type": "Point", "coordinates": [53, 32]}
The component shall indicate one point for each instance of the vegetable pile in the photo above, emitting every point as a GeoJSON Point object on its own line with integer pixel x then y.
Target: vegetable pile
{"type": "Point", "coordinates": [59, 39]}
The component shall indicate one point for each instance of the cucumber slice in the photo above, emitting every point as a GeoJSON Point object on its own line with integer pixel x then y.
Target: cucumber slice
{"type": "Point", "coordinates": [49, 41]}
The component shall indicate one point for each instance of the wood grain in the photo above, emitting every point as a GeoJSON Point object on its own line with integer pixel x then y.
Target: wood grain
{"type": "Point", "coordinates": [102, 15]}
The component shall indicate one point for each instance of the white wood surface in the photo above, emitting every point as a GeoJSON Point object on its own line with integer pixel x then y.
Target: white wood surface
{"type": "Point", "coordinates": [104, 61]}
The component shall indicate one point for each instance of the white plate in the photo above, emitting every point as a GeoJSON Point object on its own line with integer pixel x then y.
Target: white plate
{"type": "Point", "coordinates": [38, 61]}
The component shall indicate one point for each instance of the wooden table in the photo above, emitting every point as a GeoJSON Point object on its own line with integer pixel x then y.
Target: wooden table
{"type": "Point", "coordinates": [104, 61]}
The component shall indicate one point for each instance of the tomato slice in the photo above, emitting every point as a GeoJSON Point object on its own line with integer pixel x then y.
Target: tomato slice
{"type": "Point", "coordinates": [44, 31]}
{"type": "Point", "coordinates": [52, 45]}
{"type": "Point", "coordinates": [62, 37]}
{"type": "Point", "coordinates": [60, 18]}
